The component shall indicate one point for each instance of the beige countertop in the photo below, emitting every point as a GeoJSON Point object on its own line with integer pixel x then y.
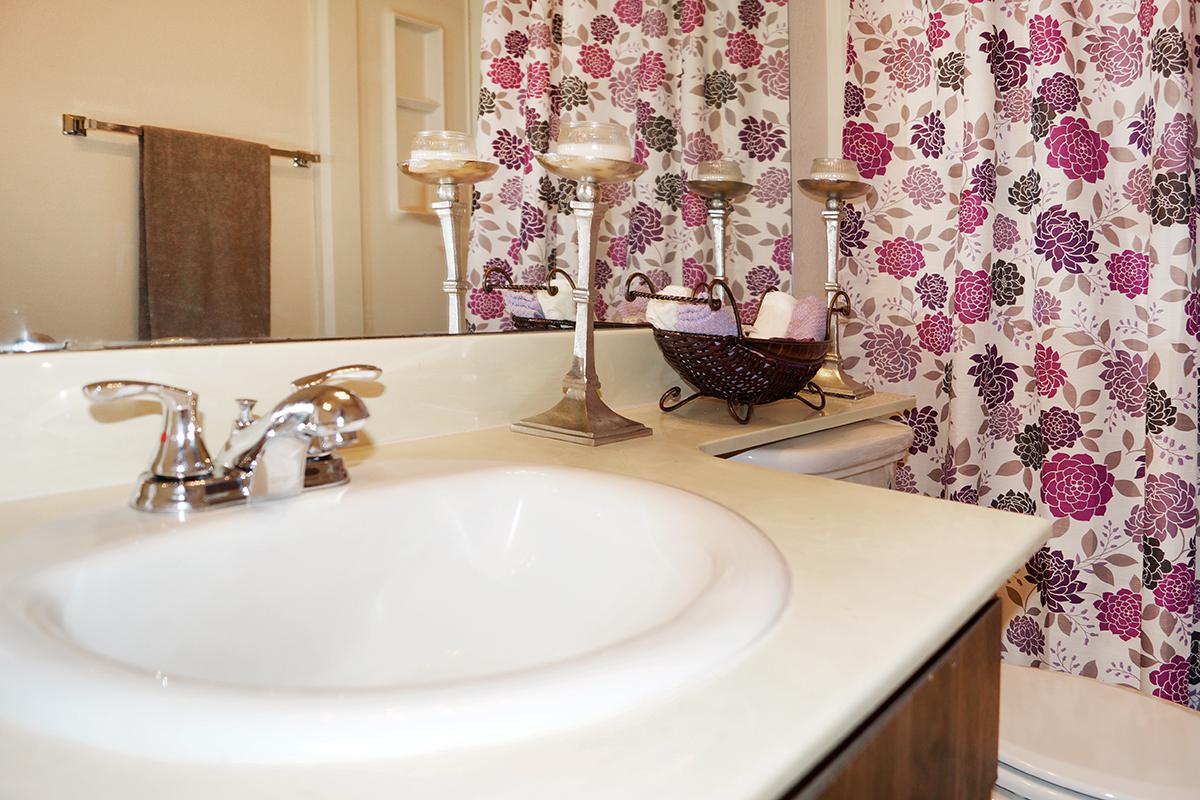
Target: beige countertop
{"type": "Point", "coordinates": [879, 580]}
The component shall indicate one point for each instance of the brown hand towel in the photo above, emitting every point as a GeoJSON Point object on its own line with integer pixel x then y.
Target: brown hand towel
{"type": "Point", "coordinates": [205, 267]}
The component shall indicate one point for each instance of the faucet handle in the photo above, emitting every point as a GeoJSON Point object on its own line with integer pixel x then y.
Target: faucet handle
{"type": "Point", "coordinates": [350, 372]}
{"type": "Point", "coordinates": [181, 452]}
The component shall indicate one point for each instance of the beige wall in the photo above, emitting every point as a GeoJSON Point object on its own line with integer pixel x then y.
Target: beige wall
{"type": "Point", "coordinates": [69, 206]}
{"type": "Point", "coordinates": [817, 32]}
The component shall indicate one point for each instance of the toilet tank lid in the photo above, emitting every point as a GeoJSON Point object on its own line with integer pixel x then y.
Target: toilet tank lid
{"type": "Point", "coordinates": [836, 449]}
{"type": "Point", "coordinates": [1095, 739]}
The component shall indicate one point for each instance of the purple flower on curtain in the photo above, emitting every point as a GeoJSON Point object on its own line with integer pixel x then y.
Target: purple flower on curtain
{"type": "Point", "coordinates": [971, 212]}
{"type": "Point", "coordinates": [693, 272]}
{"type": "Point", "coordinates": [762, 279]}
{"type": "Point", "coordinates": [486, 305]}
{"type": "Point", "coordinates": [1146, 11]}
{"type": "Point", "coordinates": [935, 30]}
{"type": "Point", "coordinates": [629, 11]}
{"type": "Point", "coordinates": [1056, 579]}
{"type": "Point", "coordinates": [973, 296]}
{"type": "Point", "coordinates": [951, 69]}
{"type": "Point", "coordinates": [1129, 273]}
{"type": "Point", "coordinates": [1017, 104]}
{"type": "Point", "coordinates": [595, 60]}
{"type": "Point", "coordinates": [694, 211]}
{"type": "Point", "coordinates": [1125, 377]}
{"type": "Point", "coordinates": [1077, 150]}
{"type": "Point", "coordinates": [852, 234]}
{"type": "Point", "coordinates": [775, 75]}
{"type": "Point", "coordinates": [1177, 590]}
{"type": "Point", "coordinates": [1171, 680]}
{"type": "Point", "coordinates": [654, 24]}
{"type": "Point", "coordinates": [907, 64]}
{"type": "Point", "coordinates": [1046, 307]}
{"type": "Point", "coordinates": [1169, 53]}
{"type": "Point", "coordinates": [1046, 41]}
{"type": "Point", "coordinates": [760, 139]}
{"type": "Point", "coordinates": [967, 494]}
{"type": "Point", "coordinates": [645, 227]}
{"type": "Point", "coordinates": [623, 88]}
{"type": "Point", "coordinates": [743, 49]}
{"type": "Point", "coordinates": [1141, 130]}
{"type": "Point", "coordinates": [1004, 421]}
{"type": "Point", "coordinates": [1170, 504]}
{"type": "Point", "coordinates": [533, 224]}
{"type": "Point", "coordinates": [659, 277]}
{"type": "Point", "coordinates": [983, 180]}
{"type": "Point", "coordinates": [701, 147]}
{"type": "Point", "coordinates": [603, 273]}
{"type": "Point", "coordinates": [928, 136]}
{"type": "Point", "coordinates": [1047, 369]}
{"type": "Point", "coordinates": [994, 377]}
{"type": "Point", "coordinates": [1060, 91]}
{"type": "Point", "coordinates": [924, 424]}
{"type": "Point", "coordinates": [901, 258]}
{"type": "Point", "coordinates": [651, 71]}
{"type": "Point", "coordinates": [1120, 613]}
{"type": "Point", "coordinates": [539, 35]}
{"type": "Point", "coordinates": [1171, 199]}
{"type": "Point", "coordinates": [1117, 53]}
{"type": "Point", "coordinates": [1192, 311]}
{"type": "Point", "coordinates": [511, 151]}
{"type": "Point", "coordinates": [1015, 502]}
{"type": "Point", "coordinates": [516, 43]}
{"type": "Point", "coordinates": [923, 186]}
{"type": "Point", "coordinates": [781, 254]}
{"type": "Point", "coordinates": [750, 13]}
{"type": "Point", "coordinates": [890, 350]}
{"type": "Point", "coordinates": [1138, 188]}
{"type": "Point", "coordinates": [1026, 635]}
{"type": "Point", "coordinates": [1064, 239]}
{"type": "Point", "coordinates": [1005, 235]}
{"type": "Point", "coordinates": [604, 29]}
{"type": "Point", "coordinates": [618, 251]}
{"type": "Point", "coordinates": [932, 289]}
{"type": "Point", "coordinates": [505, 72]}
{"type": "Point", "coordinates": [1176, 144]}
{"type": "Point", "coordinates": [1076, 486]}
{"type": "Point", "coordinates": [690, 14]}
{"type": "Point", "coordinates": [1008, 61]}
{"type": "Point", "coordinates": [866, 147]}
{"type": "Point", "coordinates": [936, 334]}
{"type": "Point", "coordinates": [1060, 427]}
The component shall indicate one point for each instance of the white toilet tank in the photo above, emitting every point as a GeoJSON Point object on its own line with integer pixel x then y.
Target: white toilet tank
{"type": "Point", "coordinates": [864, 452]}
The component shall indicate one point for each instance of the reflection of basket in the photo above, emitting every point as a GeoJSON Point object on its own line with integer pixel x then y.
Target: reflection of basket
{"type": "Point", "coordinates": [543, 324]}
{"type": "Point", "coordinates": [539, 323]}
{"type": "Point", "coordinates": [742, 371]}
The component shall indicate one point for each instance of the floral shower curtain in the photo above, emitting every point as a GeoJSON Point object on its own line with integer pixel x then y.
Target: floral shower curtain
{"type": "Point", "coordinates": [1027, 267]}
{"type": "Point", "coordinates": [692, 79]}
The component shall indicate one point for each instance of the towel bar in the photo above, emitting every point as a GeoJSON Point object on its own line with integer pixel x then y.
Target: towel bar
{"type": "Point", "coordinates": [77, 125]}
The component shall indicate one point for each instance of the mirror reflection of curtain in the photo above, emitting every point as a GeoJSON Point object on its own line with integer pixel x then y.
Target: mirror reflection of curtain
{"type": "Point", "coordinates": [694, 80]}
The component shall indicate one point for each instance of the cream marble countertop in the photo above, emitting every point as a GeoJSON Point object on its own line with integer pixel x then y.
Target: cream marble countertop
{"type": "Point", "coordinates": [879, 581]}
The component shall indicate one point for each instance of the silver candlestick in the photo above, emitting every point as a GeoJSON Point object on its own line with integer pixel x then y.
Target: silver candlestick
{"type": "Point", "coordinates": [451, 212]}
{"type": "Point", "coordinates": [719, 196]}
{"type": "Point", "coordinates": [833, 190]}
{"type": "Point", "coordinates": [581, 416]}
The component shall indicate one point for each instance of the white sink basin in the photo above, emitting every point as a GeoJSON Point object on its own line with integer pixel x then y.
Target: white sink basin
{"type": "Point", "coordinates": [394, 617]}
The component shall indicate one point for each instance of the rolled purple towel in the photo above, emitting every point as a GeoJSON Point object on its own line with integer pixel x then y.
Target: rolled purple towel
{"type": "Point", "coordinates": [696, 318]}
{"type": "Point", "coordinates": [523, 304]}
{"type": "Point", "coordinates": [808, 320]}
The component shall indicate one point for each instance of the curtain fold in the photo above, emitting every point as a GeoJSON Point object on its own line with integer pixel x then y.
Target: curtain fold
{"type": "Point", "coordinates": [1027, 268]}
{"type": "Point", "coordinates": [692, 80]}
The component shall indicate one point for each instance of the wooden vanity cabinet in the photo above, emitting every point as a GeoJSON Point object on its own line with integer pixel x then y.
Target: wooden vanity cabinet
{"type": "Point", "coordinates": [936, 738]}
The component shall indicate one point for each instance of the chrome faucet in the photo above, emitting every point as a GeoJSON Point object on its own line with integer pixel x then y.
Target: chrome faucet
{"type": "Point", "coordinates": [278, 455]}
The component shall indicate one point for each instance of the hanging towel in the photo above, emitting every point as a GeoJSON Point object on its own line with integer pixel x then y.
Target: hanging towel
{"type": "Point", "coordinates": [205, 265]}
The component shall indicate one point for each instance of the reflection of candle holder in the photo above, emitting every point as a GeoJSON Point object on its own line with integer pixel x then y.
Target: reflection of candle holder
{"type": "Point", "coordinates": [448, 174]}
{"type": "Point", "coordinates": [833, 182]}
{"type": "Point", "coordinates": [581, 416]}
{"type": "Point", "coordinates": [720, 184]}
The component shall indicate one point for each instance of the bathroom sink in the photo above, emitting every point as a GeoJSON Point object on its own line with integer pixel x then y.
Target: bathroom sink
{"type": "Point", "coordinates": [404, 614]}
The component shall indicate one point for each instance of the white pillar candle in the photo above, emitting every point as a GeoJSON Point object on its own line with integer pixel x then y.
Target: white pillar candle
{"type": "Point", "coordinates": [609, 150]}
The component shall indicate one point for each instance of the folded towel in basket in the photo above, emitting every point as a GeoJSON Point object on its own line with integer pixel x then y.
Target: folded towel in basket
{"type": "Point", "coordinates": [664, 313]}
{"type": "Point", "coordinates": [808, 320]}
{"type": "Point", "coordinates": [695, 318]}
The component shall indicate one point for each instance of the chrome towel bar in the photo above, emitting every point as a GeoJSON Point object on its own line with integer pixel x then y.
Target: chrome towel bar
{"type": "Point", "coordinates": [77, 125]}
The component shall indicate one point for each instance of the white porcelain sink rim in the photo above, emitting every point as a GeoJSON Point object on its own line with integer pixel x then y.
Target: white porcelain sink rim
{"type": "Point", "coordinates": [730, 614]}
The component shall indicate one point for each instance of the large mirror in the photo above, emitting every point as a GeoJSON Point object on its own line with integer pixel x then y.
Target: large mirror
{"type": "Point", "coordinates": [125, 233]}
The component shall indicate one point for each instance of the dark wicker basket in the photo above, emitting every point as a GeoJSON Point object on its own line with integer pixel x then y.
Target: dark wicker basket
{"type": "Point", "coordinates": [742, 371]}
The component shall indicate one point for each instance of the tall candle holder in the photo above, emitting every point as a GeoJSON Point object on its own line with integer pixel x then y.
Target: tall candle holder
{"type": "Point", "coordinates": [721, 185]}
{"type": "Point", "coordinates": [447, 176]}
{"type": "Point", "coordinates": [832, 183]}
{"type": "Point", "coordinates": [581, 416]}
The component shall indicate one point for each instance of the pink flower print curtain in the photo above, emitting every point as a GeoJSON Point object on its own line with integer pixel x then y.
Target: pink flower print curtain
{"type": "Point", "coordinates": [1027, 268]}
{"type": "Point", "coordinates": [692, 80]}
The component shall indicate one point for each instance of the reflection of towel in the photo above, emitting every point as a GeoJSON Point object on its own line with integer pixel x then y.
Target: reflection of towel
{"type": "Point", "coordinates": [560, 305]}
{"type": "Point", "coordinates": [523, 304]}
{"type": "Point", "coordinates": [774, 316]}
{"type": "Point", "coordinates": [631, 312]}
{"type": "Point", "coordinates": [205, 264]}
{"type": "Point", "coordinates": [808, 320]}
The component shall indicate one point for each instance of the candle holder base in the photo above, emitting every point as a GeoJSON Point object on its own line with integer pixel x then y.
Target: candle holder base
{"type": "Point", "coordinates": [586, 421]}
{"type": "Point", "coordinates": [836, 383]}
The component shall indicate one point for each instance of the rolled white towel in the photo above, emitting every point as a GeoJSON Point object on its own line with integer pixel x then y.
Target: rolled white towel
{"type": "Point", "coordinates": [561, 305]}
{"type": "Point", "coordinates": [664, 314]}
{"type": "Point", "coordinates": [774, 316]}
